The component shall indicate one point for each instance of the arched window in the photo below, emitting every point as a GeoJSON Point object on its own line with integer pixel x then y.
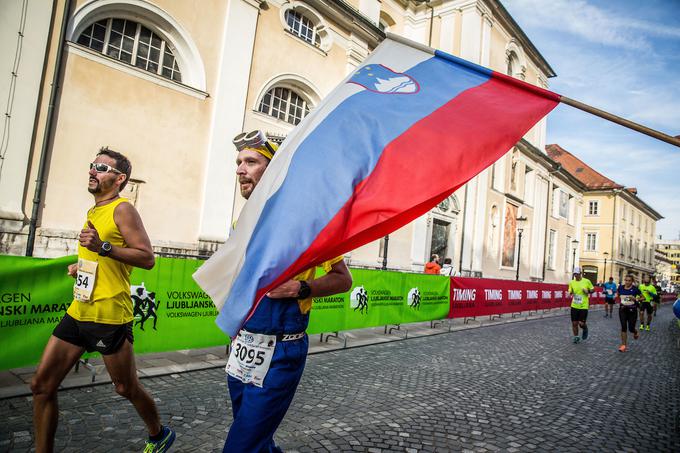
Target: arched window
{"type": "Point", "coordinates": [132, 43]}
{"type": "Point", "coordinates": [385, 21]}
{"type": "Point", "coordinates": [513, 64]}
{"type": "Point", "coordinates": [302, 27]}
{"type": "Point", "coordinates": [304, 22]}
{"type": "Point", "coordinates": [284, 104]}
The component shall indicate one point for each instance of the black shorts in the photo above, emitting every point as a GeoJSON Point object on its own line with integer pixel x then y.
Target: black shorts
{"type": "Point", "coordinates": [579, 314]}
{"type": "Point", "coordinates": [628, 318]}
{"type": "Point", "coordinates": [610, 301]}
{"type": "Point", "coordinates": [646, 306]}
{"type": "Point", "coordinates": [104, 338]}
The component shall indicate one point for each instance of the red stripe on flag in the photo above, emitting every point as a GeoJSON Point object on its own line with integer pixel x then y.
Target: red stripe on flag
{"type": "Point", "coordinates": [424, 165]}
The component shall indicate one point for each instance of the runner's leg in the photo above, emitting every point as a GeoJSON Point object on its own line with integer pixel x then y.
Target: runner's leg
{"type": "Point", "coordinates": [57, 360]}
{"type": "Point", "coordinates": [123, 372]}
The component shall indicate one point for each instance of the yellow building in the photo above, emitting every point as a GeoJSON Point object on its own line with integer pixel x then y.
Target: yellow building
{"type": "Point", "coordinates": [669, 268]}
{"type": "Point", "coordinates": [169, 87]}
{"type": "Point", "coordinates": [618, 226]}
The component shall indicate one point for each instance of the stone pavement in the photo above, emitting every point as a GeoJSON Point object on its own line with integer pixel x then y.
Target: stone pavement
{"type": "Point", "coordinates": [16, 382]}
{"type": "Point", "coordinates": [516, 387]}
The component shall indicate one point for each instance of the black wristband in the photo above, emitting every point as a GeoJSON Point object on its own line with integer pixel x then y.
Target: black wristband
{"type": "Point", "coordinates": [305, 290]}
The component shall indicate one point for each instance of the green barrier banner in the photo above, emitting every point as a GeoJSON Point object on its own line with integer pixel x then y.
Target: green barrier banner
{"type": "Point", "coordinates": [379, 298]}
{"type": "Point", "coordinates": [172, 313]}
{"type": "Point", "coordinates": [34, 295]}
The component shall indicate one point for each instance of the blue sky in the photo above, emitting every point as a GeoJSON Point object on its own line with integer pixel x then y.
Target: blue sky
{"type": "Point", "coordinates": [622, 56]}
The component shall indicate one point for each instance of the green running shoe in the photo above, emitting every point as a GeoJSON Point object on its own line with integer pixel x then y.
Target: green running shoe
{"type": "Point", "coordinates": [647, 328]}
{"type": "Point", "coordinates": [162, 445]}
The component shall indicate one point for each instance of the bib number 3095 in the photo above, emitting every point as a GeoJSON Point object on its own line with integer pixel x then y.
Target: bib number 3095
{"type": "Point", "coordinates": [251, 355]}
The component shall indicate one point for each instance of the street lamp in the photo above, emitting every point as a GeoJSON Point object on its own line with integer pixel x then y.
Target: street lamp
{"type": "Point", "coordinates": [604, 279]}
{"type": "Point", "coordinates": [519, 244]}
{"type": "Point", "coordinates": [385, 242]}
{"type": "Point", "coordinates": [573, 258]}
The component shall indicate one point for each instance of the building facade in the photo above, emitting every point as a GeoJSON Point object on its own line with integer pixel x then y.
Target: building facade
{"type": "Point", "coordinates": [170, 88]}
{"type": "Point", "coordinates": [618, 226]}
{"type": "Point", "coordinates": [668, 261]}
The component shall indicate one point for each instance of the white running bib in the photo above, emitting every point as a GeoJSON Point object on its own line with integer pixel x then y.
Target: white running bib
{"type": "Point", "coordinates": [578, 299]}
{"type": "Point", "coordinates": [627, 300]}
{"type": "Point", "coordinates": [85, 278]}
{"type": "Point", "coordinates": [251, 355]}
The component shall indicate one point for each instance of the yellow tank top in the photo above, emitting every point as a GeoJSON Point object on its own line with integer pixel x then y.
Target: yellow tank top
{"type": "Point", "coordinates": [110, 302]}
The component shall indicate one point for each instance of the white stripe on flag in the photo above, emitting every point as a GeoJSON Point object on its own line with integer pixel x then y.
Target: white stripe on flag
{"type": "Point", "coordinates": [216, 276]}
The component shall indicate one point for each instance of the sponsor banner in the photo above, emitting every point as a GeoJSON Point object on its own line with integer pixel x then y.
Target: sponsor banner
{"type": "Point", "coordinates": [171, 312]}
{"type": "Point", "coordinates": [480, 297]}
{"type": "Point", "coordinates": [378, 298]}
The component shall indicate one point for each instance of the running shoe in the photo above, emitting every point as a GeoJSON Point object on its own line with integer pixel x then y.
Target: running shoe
{"type": "Point", "coordinates": [162, 445]}
{"type": "Point", "coordinates": [623, 348]}
{"type": "Point", "coordinates": [636, 334]}
{"type": "Point", "coordinates": [584, 335]}
{"type": "Point", "coordinates": [647, 328]}
{"type": "Point", "coordinates": [576, 339]}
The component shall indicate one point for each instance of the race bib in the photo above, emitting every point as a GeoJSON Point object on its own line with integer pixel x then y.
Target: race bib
{"type": "Point", "coordinates": [578, 299]}
{"type": "Point", "coordinates": [609, 292]}
{"type": "Point", "coordinates": [627, 300]}
{"type": "Point", "coordinates": [251, 355]}
{"type": "Point", "coordinates": [85, 278]}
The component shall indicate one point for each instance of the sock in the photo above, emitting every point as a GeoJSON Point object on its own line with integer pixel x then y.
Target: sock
{"type": "Point", "coordinates": [158, 436]}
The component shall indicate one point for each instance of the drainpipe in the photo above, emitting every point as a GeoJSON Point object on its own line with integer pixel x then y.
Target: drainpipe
{"type": "Point", "coordinates": [47, 134]}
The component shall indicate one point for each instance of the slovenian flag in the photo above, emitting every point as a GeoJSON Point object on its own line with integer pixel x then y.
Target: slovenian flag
{"type": "Point", "coordinates": [400, 134]}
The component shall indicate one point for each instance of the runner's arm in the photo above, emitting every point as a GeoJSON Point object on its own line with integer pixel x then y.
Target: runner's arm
{"type": "Point", "coordinates": [337, 280]}
{"type": "Point", "coordinates": [138, 251]}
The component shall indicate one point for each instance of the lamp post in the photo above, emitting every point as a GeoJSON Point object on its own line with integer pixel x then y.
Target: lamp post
{"type": "Point", "coordinates": [573, 258]}
{"type": "Point", "coordinates": [385, 242]}
{"type": "Point", "coordinates": [519, 244]}
{"type": "Point", "coordinates": [604, 277]}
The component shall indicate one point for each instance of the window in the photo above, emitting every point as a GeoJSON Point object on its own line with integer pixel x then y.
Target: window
{"type": "Point", "coordinates": [630, 248]}
{"type": "Point", "coordinates": [564, 205]}
{"type": "Point", "coordinates": [284, 104]}
{"type": "Point", "coordinates": [302, 27]}
{"type": "Point", "coordinates": [552, 242]}
{"type": "Point", "coordinates": [622, 246]}
{"type": "Point", "coordinates": [513, 64]}
{"type": "Point", "coordinates": [134, 44]}
{"type": "Point", "coordinates": [591, 242]}
{"type": "Point", "coordinates": [593, 208]}
{"type": "Point", "coordinates": [567, 254]}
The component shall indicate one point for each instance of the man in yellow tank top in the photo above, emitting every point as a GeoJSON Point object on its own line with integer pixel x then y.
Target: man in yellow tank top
{"type": "Point", "coordinates": [113, 241]}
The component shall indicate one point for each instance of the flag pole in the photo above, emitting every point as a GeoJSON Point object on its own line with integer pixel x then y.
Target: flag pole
{"type": "Point", "coordinates": [563, 99]}
{"type": "Point", "coordinates": [620, 121]}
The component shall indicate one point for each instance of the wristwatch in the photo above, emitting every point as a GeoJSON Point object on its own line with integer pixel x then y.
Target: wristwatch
{"type": "Point", "coordinates": [105, 249]}
{"type": "Point", "coordinates": [305, 290]}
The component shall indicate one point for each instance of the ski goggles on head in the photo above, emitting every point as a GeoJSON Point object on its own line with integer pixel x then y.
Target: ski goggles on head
{"type": "Point", "coordinates": [256, 141]}
{"type": "Point", "coordinates": [103, 168]}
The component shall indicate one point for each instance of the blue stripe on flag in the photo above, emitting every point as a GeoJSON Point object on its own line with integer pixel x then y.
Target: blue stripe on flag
{"type": "Point", "coordinates": [341, 152]}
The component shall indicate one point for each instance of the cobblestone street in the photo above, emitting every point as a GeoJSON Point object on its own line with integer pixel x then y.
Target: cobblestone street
{"type": "Point", "coordinates": [515, 387]}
